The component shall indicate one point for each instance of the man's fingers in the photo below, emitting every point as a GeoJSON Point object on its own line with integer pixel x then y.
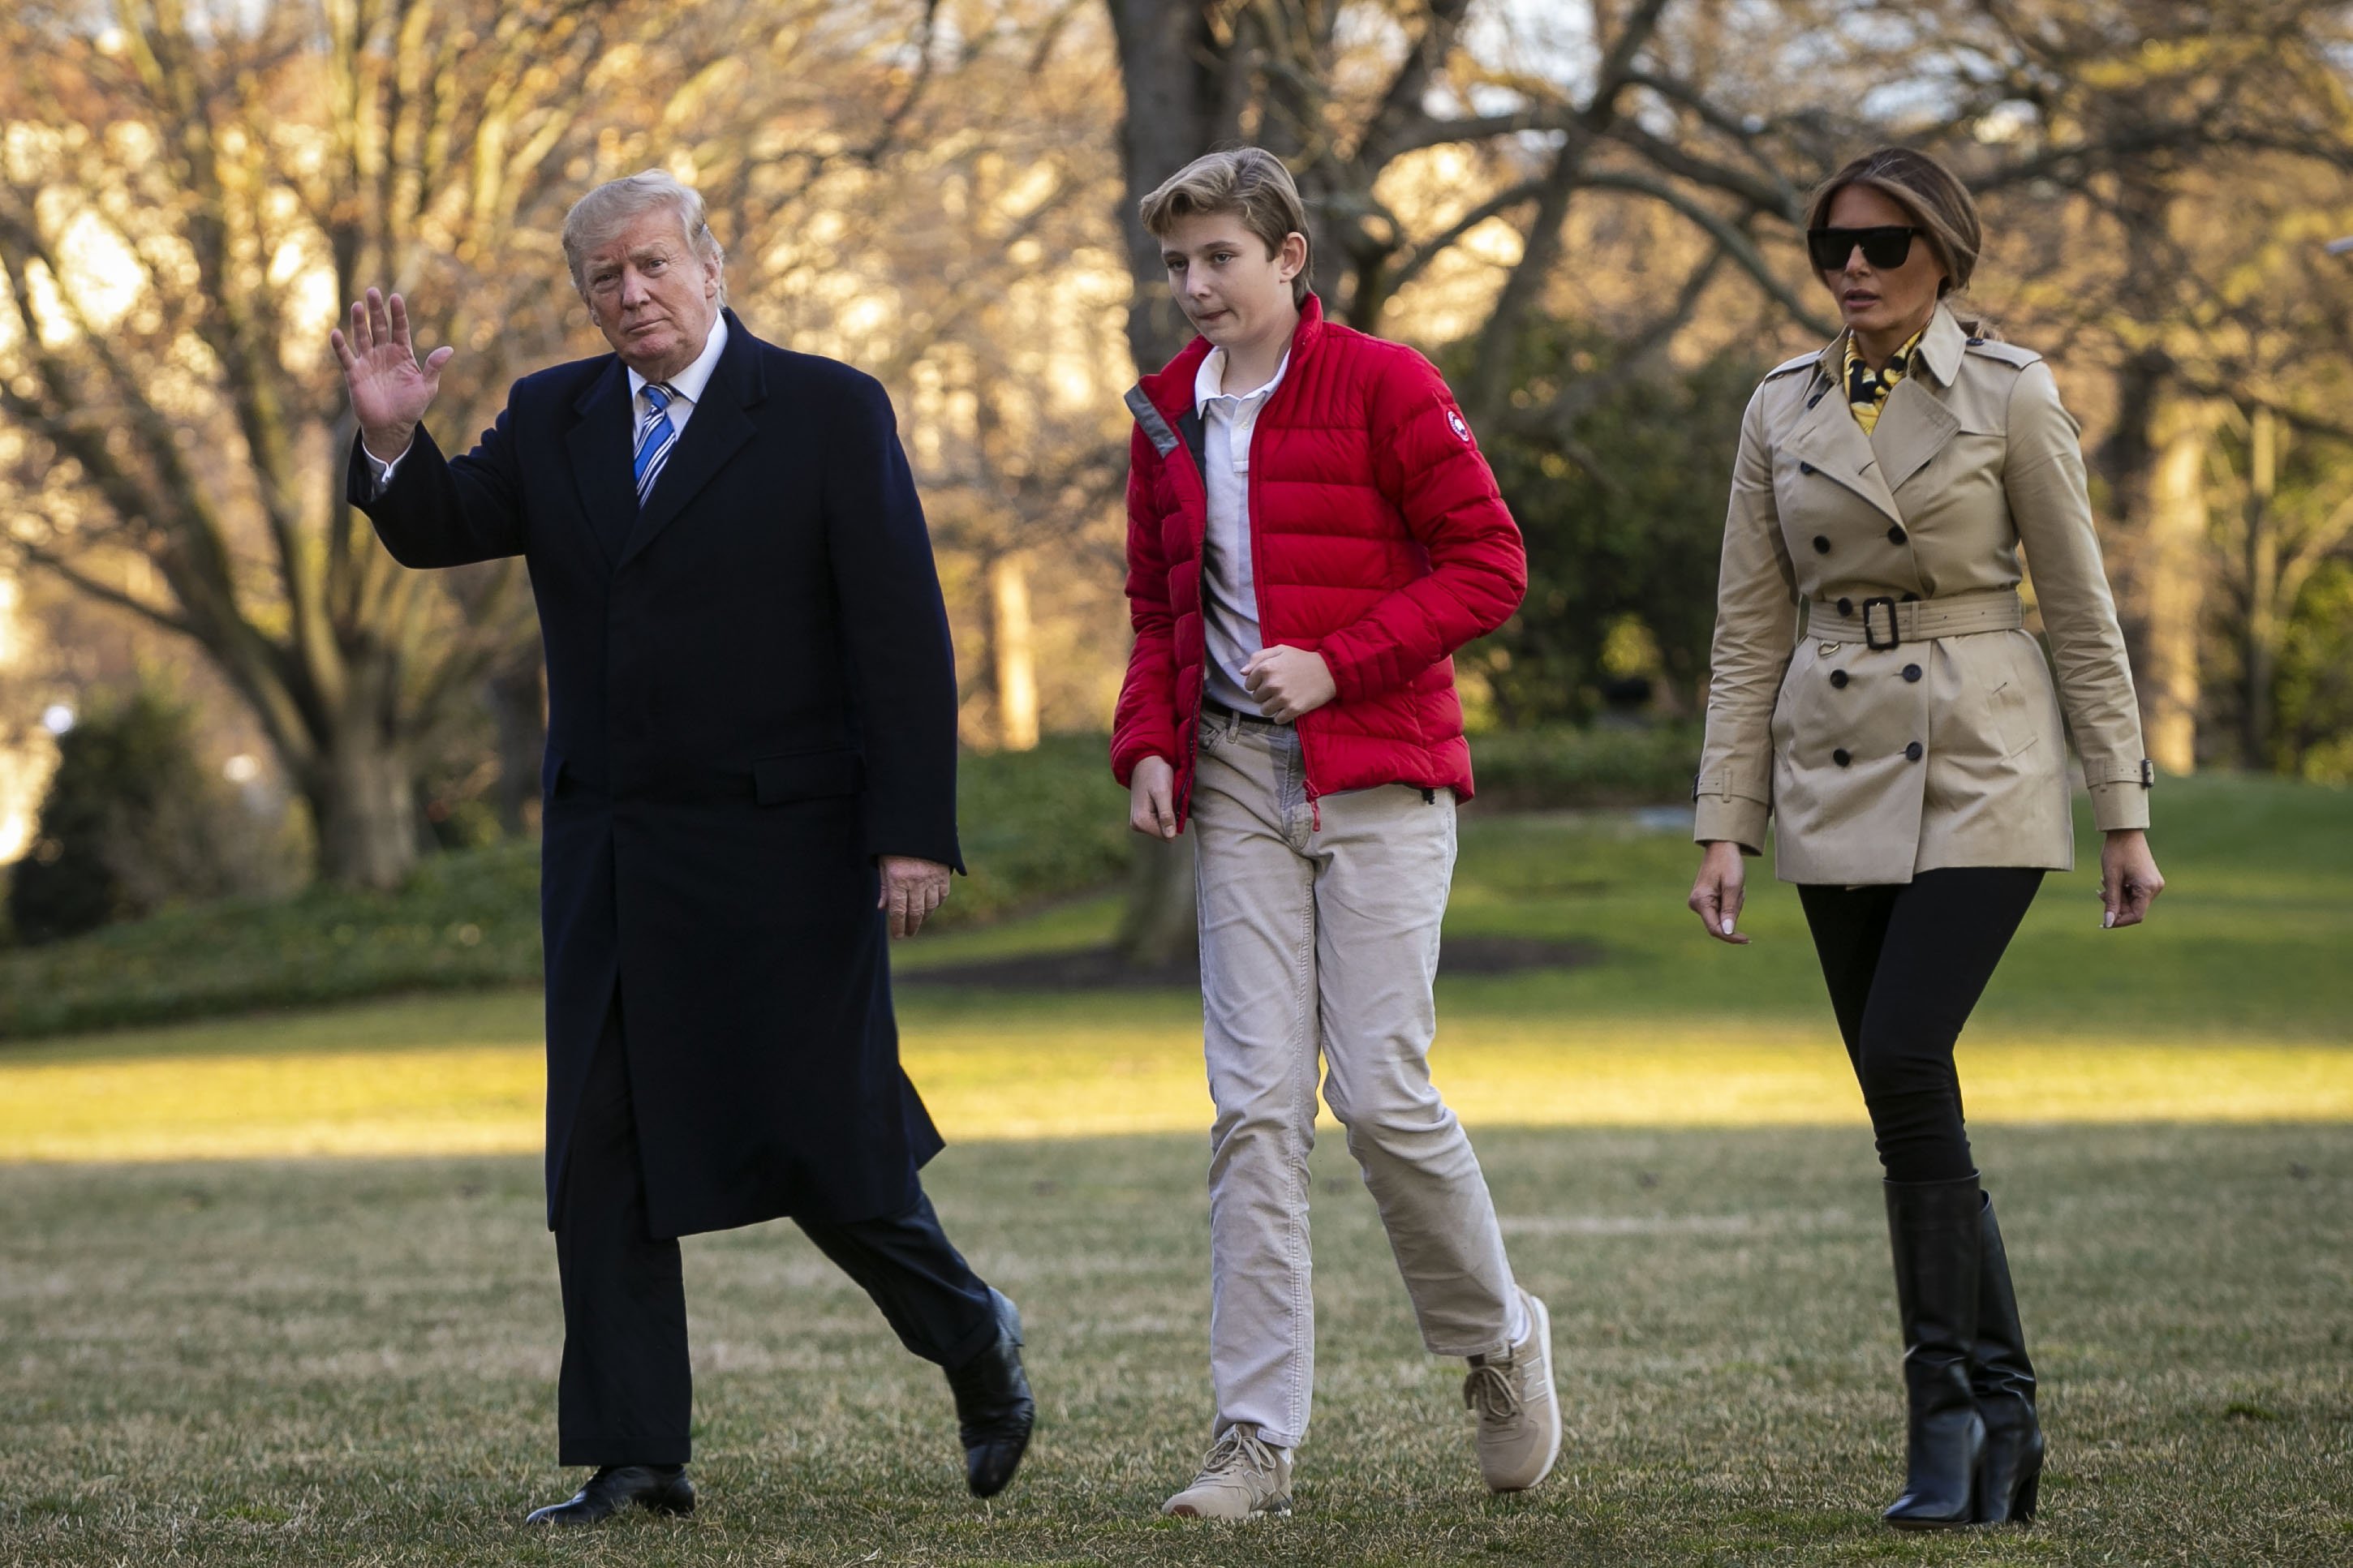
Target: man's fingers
{"type": "Point", "coordinates": [437, 359]}
{"type": "Point", "coordinates": [379, 321]}
{"type": "Point", "coordinates": [343, 355]}
{"type": "Point", "coordinates": [396, 311]}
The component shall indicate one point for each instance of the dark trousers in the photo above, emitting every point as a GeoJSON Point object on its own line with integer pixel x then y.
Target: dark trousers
{"type": "Point", "coordinates": [1906, 965]}
{"type": "Point", "coordinates": [625, 1395]}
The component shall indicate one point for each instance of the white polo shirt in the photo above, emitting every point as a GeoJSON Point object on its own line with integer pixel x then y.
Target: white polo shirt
{"type": "Point", "coordinates": [1229, 592]}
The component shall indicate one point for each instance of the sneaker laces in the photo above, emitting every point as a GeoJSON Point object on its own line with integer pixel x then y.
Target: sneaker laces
{"type": "Point", "coordinates": [1239, 1449]}
{"type": "Point", "coordinates": [1489, 1390]}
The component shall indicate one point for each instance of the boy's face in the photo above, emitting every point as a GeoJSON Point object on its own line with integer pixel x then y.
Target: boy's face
{"type": "Point", "coordinates": [1226, 283]}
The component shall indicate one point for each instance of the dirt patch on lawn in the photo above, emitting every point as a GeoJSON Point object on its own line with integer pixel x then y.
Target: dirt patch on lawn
{"type": "Point", "coordinates": [1103, 969]}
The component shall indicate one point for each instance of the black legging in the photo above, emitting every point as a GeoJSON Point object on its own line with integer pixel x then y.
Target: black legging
{"type": "Point", "coordinates": [1906, 965]}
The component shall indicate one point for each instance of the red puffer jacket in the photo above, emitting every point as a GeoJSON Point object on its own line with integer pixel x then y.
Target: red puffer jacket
{"type": "Point", "coordinates": [1377, 540]}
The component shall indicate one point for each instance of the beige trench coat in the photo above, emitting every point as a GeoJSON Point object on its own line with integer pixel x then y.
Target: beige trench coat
{"type": "Point", "coordinates": [1944, 748]}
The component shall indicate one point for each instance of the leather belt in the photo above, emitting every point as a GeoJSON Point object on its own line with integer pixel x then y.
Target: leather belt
{"type": "Point", "coordinates": [1883, 622]}
{"type": "Point", "coordinates": [1214, 709]}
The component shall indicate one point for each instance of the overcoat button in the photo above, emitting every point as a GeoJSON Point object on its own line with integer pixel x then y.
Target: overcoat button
{"type": "Point", "coordinates": [1911, 672]}
{"type": "Point", "coordinates": [1914, 751]}
{"type": "Point", "coordinates": [1839, 679]}
{"type": "Point", "coordinates": [1805, 468]}
{"type": "Point", "coordinates": [1822, 544]}
{"type": "Point", "coordinates": [1975, 342]}
{"type": "Point", "coordinates": [1842, 756]}
{"type": "Point", "coordinates": [1896, 535]}
{"type": "Point", "coordinates": [1846, 606]}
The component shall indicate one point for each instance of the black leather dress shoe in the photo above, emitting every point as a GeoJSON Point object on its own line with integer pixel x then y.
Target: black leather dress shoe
{"type": "Point", "coordinates": [994, 1410]}
{"type": "Point", "coordinates": [662, 1488]}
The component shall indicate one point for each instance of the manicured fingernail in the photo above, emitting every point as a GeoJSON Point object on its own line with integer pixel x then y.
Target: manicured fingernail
{"type": "Point", "coordinates": [2107, 919]}
{"type": "Point", "coordinates": [1727, 928]}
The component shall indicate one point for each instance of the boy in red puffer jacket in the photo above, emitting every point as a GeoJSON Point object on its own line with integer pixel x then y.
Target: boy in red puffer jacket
{"type": "Point", "coordinates": [1312, 533]}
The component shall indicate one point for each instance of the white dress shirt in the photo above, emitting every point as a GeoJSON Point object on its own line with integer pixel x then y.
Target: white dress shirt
{"type": "Point", "coordinates": [1230, 631]}
{"type": "Point", "coordinates": [686, 386]}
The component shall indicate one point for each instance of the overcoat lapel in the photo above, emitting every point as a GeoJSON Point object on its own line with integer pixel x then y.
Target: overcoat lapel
{"type": "Point", "coordinates": [1828, 438]}
{"type": "Point", "coordinates": [600, 448]}
{"type": "Point", "coordinates": [1915, 424]}
{"type": "Point", "coordinates": [718, 429]}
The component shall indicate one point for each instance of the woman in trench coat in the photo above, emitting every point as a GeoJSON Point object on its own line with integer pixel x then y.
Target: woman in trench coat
{"type": "Point", "coordinates": [1874, 689]}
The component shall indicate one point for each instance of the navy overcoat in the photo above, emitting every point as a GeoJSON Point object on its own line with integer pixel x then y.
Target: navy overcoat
{"type": "Point", "coordinates": [751, 695]}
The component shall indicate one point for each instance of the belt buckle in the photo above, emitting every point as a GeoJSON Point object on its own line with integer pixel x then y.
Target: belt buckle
{"type": "Point", "coordinates": [1870, 634]}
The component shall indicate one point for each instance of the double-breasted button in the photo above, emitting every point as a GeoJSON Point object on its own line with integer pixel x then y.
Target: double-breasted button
{"type": "Point", "coordinates": [1839, 679]}
{"type": "Point", "coordinates": [1911, 672]}
{"type": "Point", "coordinates": [1914, 751]}
{"type": "Point", "coordinates": [1846, 606]}
{"type": "Point", "coordinates": [1895, 535]}
{"type": "Point", "coordinates": [1842, 756]}
{"type": "Point", "coordinates": [1822, 544]}
{"type": "Point", "coordinates": [1805, 468]}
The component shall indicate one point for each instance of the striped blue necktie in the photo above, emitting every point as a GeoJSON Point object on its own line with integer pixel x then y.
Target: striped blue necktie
{"type": "Point", "coordinates": [656, 437]}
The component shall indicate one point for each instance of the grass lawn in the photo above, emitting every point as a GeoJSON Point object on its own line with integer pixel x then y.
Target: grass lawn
{"type": "Point", "coordinates": [212, 1350]}
{"type": "Point", "coordinates": [352, 1362]}
{"type": "Point", "coordinates": [2231, 1006]}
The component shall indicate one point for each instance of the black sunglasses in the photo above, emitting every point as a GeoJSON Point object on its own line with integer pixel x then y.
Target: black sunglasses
{"type": "Point", "coordinates": [1884, 248]}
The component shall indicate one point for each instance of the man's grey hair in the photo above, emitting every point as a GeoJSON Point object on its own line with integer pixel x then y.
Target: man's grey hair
{"type": "Point", "coordinates": [612, 206]}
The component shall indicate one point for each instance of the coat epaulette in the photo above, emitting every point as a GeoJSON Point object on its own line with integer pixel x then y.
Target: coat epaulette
{"type": "Point", "coordinates": [2008, 354]}
{"type": "Point", "coordinates": [1801, 363]}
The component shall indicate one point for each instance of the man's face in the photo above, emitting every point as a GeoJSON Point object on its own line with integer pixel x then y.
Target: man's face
{"type": "Point", "coordinates": [1225, 282]}
{"type": "Point", "coordinates": [652, 297]}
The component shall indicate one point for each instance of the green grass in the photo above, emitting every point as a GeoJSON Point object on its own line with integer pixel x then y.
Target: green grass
{"type": "Point", "coordinates": [2229, 1006]}
{"type": "Point", "coordinates": [269, 1361]}
{"type": "Point", "coordinates": [353, 1361]}
{"type": "Point", "coordinates": [1037, 826]}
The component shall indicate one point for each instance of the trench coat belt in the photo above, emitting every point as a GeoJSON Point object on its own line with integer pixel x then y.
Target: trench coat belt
{"type": "Point", "coordinates": [1883, 621]}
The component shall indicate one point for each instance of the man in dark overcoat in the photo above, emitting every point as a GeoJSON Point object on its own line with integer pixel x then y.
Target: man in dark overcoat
{"type": "Point", "coordinates": [750, 778]}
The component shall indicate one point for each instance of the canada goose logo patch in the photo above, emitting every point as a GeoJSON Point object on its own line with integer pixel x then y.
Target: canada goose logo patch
{"type": "Point", "coordinates": [1455, 420]}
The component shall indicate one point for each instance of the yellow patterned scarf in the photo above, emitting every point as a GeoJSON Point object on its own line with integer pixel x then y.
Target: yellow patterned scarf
{"type": "Point", "coordinates": [1867, 389]}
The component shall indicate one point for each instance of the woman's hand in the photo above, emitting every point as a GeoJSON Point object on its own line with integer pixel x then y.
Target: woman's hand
{"type": "Point", "coordinates": [2129, 881]}
{"type": "Point", "coordinates": [1722, 887]}
{"type": "Point", "coordinates": [1152, 798]}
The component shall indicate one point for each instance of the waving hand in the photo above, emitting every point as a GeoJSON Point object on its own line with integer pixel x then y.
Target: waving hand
{"type": "Point", "coordinates": [389, 390]}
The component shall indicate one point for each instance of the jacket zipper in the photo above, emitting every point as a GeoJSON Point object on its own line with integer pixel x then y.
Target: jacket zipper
{"type": "Point", "coordinates": [1265, 636]}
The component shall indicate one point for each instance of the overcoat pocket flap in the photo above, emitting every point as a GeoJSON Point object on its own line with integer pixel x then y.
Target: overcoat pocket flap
{"type": "Point", "coordinates": [806, 775]}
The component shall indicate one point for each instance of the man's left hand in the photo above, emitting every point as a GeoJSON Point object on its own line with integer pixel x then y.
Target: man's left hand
{"type": "Point", "coordinates": [1288, 682]}
{"type": "Point", "coordinates": [912, 890]}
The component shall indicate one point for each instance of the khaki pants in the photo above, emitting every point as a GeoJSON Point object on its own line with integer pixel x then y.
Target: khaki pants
{"type": "Point", "coordinates": [1324, 939]}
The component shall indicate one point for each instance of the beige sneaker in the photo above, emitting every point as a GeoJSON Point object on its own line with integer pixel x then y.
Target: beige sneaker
{"type": "Point", "coordinates": [1242, 1477]}
{"type": "Point", "coordinates": [1519, 1413]}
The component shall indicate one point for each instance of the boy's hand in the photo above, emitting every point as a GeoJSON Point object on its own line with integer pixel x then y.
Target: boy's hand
{"type": "Point", "coordinates": [1152, 798]}
{"type": "Point", "coordinates": [1288, 682]}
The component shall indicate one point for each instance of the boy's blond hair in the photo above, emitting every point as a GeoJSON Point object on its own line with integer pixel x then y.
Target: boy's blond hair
{"type": "Point", "coordinates": [1253, 185]}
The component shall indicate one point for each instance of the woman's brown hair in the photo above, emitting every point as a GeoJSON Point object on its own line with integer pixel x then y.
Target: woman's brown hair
{"type": "Point", "coordinates": [1933, 197]}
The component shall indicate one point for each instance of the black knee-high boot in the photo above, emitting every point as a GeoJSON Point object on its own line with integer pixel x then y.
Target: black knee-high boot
{"type": "Point", "coordinates": [2009, 1474]}
{"type": "Point", "coordinates": [1934, 1228]}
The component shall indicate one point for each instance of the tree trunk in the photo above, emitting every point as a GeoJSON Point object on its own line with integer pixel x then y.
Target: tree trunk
{"type": "Point", "coordinates": [1184, 97]}
{"type": "Point", "coordinates": [2261, 637]}
{"type": "Point", "coordinates": [2175, 564]}
{"type": "Point", "coordinates": [362, 801]}
{"type": "Point", "coordinates": [1011, 643]}
{"type": "Point", "coordinates": [1158, 929]}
